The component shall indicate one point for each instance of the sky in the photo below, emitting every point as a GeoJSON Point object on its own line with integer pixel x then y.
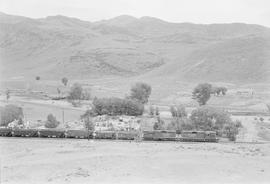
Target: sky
{"type": "Point", "coordinates": [195, 11]}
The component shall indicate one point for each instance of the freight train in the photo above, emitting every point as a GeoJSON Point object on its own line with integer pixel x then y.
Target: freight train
{"type": "Point", "coordinates": [156, 135]}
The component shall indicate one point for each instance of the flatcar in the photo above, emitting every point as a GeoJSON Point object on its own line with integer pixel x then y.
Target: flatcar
{"type": "Point", "coordinates": [25, 133]}
{"type": "Point", "coordinates": [5, 132]}
{"type": "Point", "coordinates": [126, 135]}
{"type": "Point", "coordinates": [197, 136]}
{"type": "Point", "coordinates": [51, 133]}
{"type": "Point", "coordinates": [104, 135]}
{"type": "Point", "coordinates": [82, 134]}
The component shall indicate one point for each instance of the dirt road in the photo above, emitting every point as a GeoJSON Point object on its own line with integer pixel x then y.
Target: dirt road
{"type": "Point", "coordinates": [36, 160]}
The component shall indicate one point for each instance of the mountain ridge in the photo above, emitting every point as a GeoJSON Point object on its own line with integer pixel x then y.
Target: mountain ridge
{"type": "Point", "coordinates": [127, 46]}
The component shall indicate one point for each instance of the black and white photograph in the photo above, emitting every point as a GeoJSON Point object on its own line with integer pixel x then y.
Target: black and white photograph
{"type": "Point", "coordinates": [134, 91]}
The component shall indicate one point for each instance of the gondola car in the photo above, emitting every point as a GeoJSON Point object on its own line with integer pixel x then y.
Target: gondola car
{"type": "Point", "coordinates": [159, 135]}
{"type": "Point", "coordinates": [198, 136]}
{"type": "Point", "coordinates": [25, 133]}
{"type": "Point", "coordinates": [148, 135]}
{"type": "Point", "coordinates": [104, 135]}
{"type": "Point", "coordinates": [56, 133]}
{"type": "Point", "coordinates": [82, 134]}
{"type": "Point", "coordinates": [127, 135]}
{"type": "Point", "coordinates": [6, 132]}
{"type": "Point", "coordinates": [162, 135]}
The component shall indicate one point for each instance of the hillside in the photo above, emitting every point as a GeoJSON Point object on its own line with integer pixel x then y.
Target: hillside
{"type": "Point", "coordinates": [130, 47]}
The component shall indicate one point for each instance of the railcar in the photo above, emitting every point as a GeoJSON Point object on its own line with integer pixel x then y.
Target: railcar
{"type": "Point", "coordinates": [25, 133]}
{"type": "Point", "coordinates": [197, 136]}
{"type": "Point", "coordinates": [104, 135]}
{"type": "Point", "coordinates": [148, 135]}
{"type": "Point", "coordinates": [126, 135]}
{"type": "Point", "coordinates": [81, 134]}
{"type": "Point", "coordinates": [5, 132]}
{"type": "Point", "coordinates": [159, 135]}
{"type": "Point", "coordinates": [51, 133]}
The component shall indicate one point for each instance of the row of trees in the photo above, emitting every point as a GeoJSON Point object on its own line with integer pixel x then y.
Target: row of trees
{"type": "Point", "coordinates": [203, 118]}
{"type": "Point", "coordinates": [117, 106]}
{"type": "Point", "coordinates": [11, 112]}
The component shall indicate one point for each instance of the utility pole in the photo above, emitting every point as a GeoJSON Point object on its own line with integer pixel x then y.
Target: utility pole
{"type": "Point", "coordinates": [88, 124]}
{"type": "Point", "coordinates": [63, 117]}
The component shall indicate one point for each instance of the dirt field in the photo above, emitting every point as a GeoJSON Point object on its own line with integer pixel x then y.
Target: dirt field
{"type": "Point", "coordinates": [37, 160]}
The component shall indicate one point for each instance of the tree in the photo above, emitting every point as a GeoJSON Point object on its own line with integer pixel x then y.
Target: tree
{"type": "Point", "coordinates": [178, 111]}
{"type": "Point", "coordinates": [10, 113]}
{"type": "Point", "coordinates": [202, 93]}
{"type": "Point", "coordinates": [157, 111]}
{"type": "Point", "coordinates": [86, 95]}
{"type": "Point", "coordinates": [7, 94]}
{"type": "Point", "coordinates": [151, 110]}
{"type": "Point", "coordinates": [209, 118]}
{"type": "Point", "coordinates": [76, 92]}
{"type": "Point", "coordinates": [141, 92]}
{"type": "Point", "coordinates": [58, 91]}
{"type": "Point", "coordinates": [268, 107]}
{"type": "Point", "coordinates": [51, 122]}
{"type": "Point", "coordinates": [64, 81]}
{"type": "Point", "coordinates": [87, 118]}
{"type": "Point", "coordinates": [37, 78]}
{"type": "Point", "coordinates": [223, 90]}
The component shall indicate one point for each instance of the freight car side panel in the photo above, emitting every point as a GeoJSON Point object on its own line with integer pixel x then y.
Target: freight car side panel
{"type": "Point", "coordinates": [25, 133]}
{"type": "Point", "coordinates": [79, 134]}
{"type": "Point", "coordinates": [51, 133]}
{"type": "Point", "coordinates": [6, 132]}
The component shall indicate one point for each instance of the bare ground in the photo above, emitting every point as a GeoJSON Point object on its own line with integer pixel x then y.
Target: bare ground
{"type": "Point", "coordinates": [37, 160]}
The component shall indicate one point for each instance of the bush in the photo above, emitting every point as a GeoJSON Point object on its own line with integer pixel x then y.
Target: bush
{"type": "Point", "coordinates": [117, 106]}
{"type": "Point", "coordinates": [10, 113]}
{"type": "Point", "coordinates": [261, 119]}
{"type": "Point", "coordinates": [238, 124]}
{"type": "Point", "coordinates": [223, 90]}
{"type": "Point", "coordinates": [231, 131]}
{"type": "Point", "coordinates": [51, 122]}
{"type": "Point", "coordinates": [159, 124]}
{"type": "Point", "coordinates": [140, 92]}
{"type": "Point", "coordinates": [88, 113]}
